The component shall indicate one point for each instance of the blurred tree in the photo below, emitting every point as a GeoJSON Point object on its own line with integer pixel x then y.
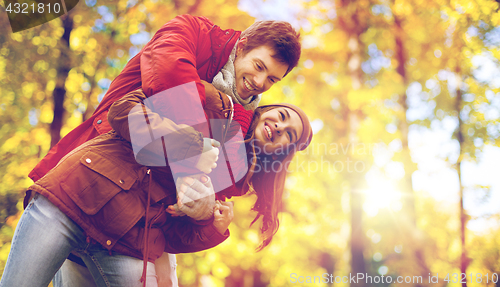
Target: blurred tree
{"type": "Point", "coordinates": [471, 120]}
{"type": "Point", "coordinates": [63, 67]}
{"type": "Point", "coordinates": [408, 21]}
{"type": "Point", "coordinates": [426, 29]}
{"type": "Point", "coordinates": [352, 20]}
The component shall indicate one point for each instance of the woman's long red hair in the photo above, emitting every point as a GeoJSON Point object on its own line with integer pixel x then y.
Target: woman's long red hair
{"type": "Point", "coordinates": [266, 182]}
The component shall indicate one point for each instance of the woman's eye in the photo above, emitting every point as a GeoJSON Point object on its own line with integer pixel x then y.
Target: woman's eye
{"type": "Point", "coordinates": [271, 80]}
{"type": "Point", "coordinates": [290, 136]}
{"type": "Point", "coordinates": [282, 115]}
{"type": "Point", "coordinates": [259, 67]}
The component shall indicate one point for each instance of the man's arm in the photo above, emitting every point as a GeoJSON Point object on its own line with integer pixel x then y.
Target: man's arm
{"type": "Point", "coordinates": [130, 114]}
{"type": "Point", "coordinates": [170, 58]}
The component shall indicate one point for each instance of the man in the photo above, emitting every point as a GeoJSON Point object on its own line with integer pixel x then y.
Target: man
{"type": "Point", "coordinates": [186, 49]}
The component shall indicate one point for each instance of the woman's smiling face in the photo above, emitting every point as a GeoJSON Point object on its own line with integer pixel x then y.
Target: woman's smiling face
{"type": "Point", "coordinates": [277, 128]}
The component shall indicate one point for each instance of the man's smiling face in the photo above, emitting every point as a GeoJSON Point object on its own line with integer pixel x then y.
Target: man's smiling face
{"type": "Point", "coordinates": [256, 71]}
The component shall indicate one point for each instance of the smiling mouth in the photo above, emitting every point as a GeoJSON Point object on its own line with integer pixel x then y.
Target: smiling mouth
{"type": "Point", "coordinates": [269, 132]}
{"type": "Point", "coordinates": [247, 85]}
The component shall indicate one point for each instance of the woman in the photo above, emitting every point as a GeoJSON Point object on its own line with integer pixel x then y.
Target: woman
{"type": "Point", "coordinates": [98, 201]}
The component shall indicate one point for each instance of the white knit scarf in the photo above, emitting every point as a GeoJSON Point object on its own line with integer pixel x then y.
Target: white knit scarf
{"type": "Point", "coordinates": [225, 81]}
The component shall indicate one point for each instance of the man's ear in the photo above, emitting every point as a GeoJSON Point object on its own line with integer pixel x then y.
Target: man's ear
{"type": "Point", "coordinates": [241, 45]}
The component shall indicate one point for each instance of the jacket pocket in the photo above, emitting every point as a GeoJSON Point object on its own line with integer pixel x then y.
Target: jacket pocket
{"type": "Point", "coordinates": [96, 179]}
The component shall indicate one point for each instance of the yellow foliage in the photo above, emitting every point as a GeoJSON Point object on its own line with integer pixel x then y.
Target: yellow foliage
{"type": "Point", "coordinates": [4, 251]}
{"type": "Point", "coordinates": [91, 44]}
{"type": "Point", "coordinates": [17, 37]}
{"type": "Point", "coordinates": [73, 83]}
{"type": "Point", "coordinates": [495, 19]}
{"type": "Point", "coordinates": [11, 144]}
{"type": "Point", "coordinates": [46, 113]}
{"type": "Point", "coordinates": [187, 277]}
{"type": "Point", "coordinates": [28, 89]}
{"type": "Point", "coordinates": [252, 236]}
{"type": "Point", "coordinates": [55, 53]}
{"type": "Point", "coordinates": [36, 41]}
{"type": "Point", "coordinates": [220, 270]}
{"type": "Point", "coordinates": [77, 18]}
{"type": "Point", "coordinates": [13, 220]}
{"type": "Point", "coordinates": [89, 69]}
{"type": "Point", "coordinates": [358, 98]}
{"type": "Point", "coordinates": [402, 8]}
{"type": "Point", "coordinates": [133, 28]}
{"type": "Point", "coordinates": [203, 266]}
{"type": "Point", "coordinates": [58, 31]}
{"type": "Point", "coordinates": [72, 122]}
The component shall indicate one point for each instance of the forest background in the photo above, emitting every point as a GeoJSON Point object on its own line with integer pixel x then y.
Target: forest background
{"type": "Point", "coordinates": [401, 178]}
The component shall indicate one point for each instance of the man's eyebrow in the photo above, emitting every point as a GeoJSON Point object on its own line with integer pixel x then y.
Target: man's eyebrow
{"type": "Point", "coordinates": [265, 68]}
{"type": "Point", "coordinates": [262, 63]}
{"type": "Point", "coordinates": [288, 117]}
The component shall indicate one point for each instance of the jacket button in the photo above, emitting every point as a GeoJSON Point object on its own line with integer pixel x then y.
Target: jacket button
{"type": "Point", "coordinates": [88, 160]}
{"type": "Point", "coordinates": [227, 32]}
{"type": "Point", "coordinates": [224, 126]}
{"type": "Point", "coordinates": [121, 181]}
{"type": "Point", "coordinates": [99, 122]}
{"type": "Point", "coordinates": [219, 45]}
{"type": "Point", "coordinates": [108, 242]}
{"type": "Point", "coordinates": [225, 115]}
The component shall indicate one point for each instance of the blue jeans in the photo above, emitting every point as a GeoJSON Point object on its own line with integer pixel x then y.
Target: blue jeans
{"type": "Point", "coordinates": [73, 274]}
{"type": "Point", "coordinates": [44, 238]}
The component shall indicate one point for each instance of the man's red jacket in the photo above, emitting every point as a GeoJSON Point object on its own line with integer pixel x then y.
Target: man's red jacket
{"type": "Point", "coordinates": [185, 49]}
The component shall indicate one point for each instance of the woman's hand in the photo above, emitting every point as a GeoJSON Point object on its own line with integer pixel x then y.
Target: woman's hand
{"type": "Point", "coordinates": [223, 215]}
{"type": "Point", "coordinates": [208, 159]}
{"type": "Point", "coordinates": [195, 198]}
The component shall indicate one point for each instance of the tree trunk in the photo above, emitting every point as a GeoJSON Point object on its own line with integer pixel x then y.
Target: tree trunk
{"type": "Point", "coordinates": [406, 185]}
{"type": "Point", "coordinates": [350, 21]}
{"type": "Point", "coordinates": [357, 234]}
{"type": "Point", "coordinates": [464, 260]}
{"type": "Point", "coordinates": [328, 263]}
{"type": "Point", "coordinates": [63, 69]}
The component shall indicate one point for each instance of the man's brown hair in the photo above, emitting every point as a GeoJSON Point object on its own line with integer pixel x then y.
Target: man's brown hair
{"type": "Point", "coordinates": [280, 36]}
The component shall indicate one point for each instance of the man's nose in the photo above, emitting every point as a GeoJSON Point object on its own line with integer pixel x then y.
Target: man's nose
{"type": "Point", "coordinates": [259, 81]}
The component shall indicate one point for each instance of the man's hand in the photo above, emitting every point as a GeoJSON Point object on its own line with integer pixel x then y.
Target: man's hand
{"type": "Point", "coordinates": [210, 155]}
{"type": "Point", "coordinates": [223, 215]}
{"type": "Point", "coordinates": [194, 198]}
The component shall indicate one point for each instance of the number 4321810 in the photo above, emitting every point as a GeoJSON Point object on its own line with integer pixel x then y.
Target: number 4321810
{"type": "Point", "coordinates": [25, 8]}
{"type": "Point", "coordinates": [462, 278]}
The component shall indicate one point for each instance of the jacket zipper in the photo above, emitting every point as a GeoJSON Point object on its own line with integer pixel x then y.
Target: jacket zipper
{"type": "Point", "coordinates": [224, 48]}
{"type": "Point", "coordinates": [229, 121]}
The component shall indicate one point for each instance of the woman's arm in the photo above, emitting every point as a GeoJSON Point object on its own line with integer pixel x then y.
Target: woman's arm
{"type": "Point", "coordinates": [182, 236]}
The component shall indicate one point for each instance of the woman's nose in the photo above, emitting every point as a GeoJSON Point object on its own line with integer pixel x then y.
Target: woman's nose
{"type": "Point", "coordinates": [278, 128]}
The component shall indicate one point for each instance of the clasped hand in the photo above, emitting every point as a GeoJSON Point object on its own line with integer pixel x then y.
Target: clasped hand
{"type": "Point", "coordinates": [196, 199]}
{"type": "Point", "coordinates": [208, 158]}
